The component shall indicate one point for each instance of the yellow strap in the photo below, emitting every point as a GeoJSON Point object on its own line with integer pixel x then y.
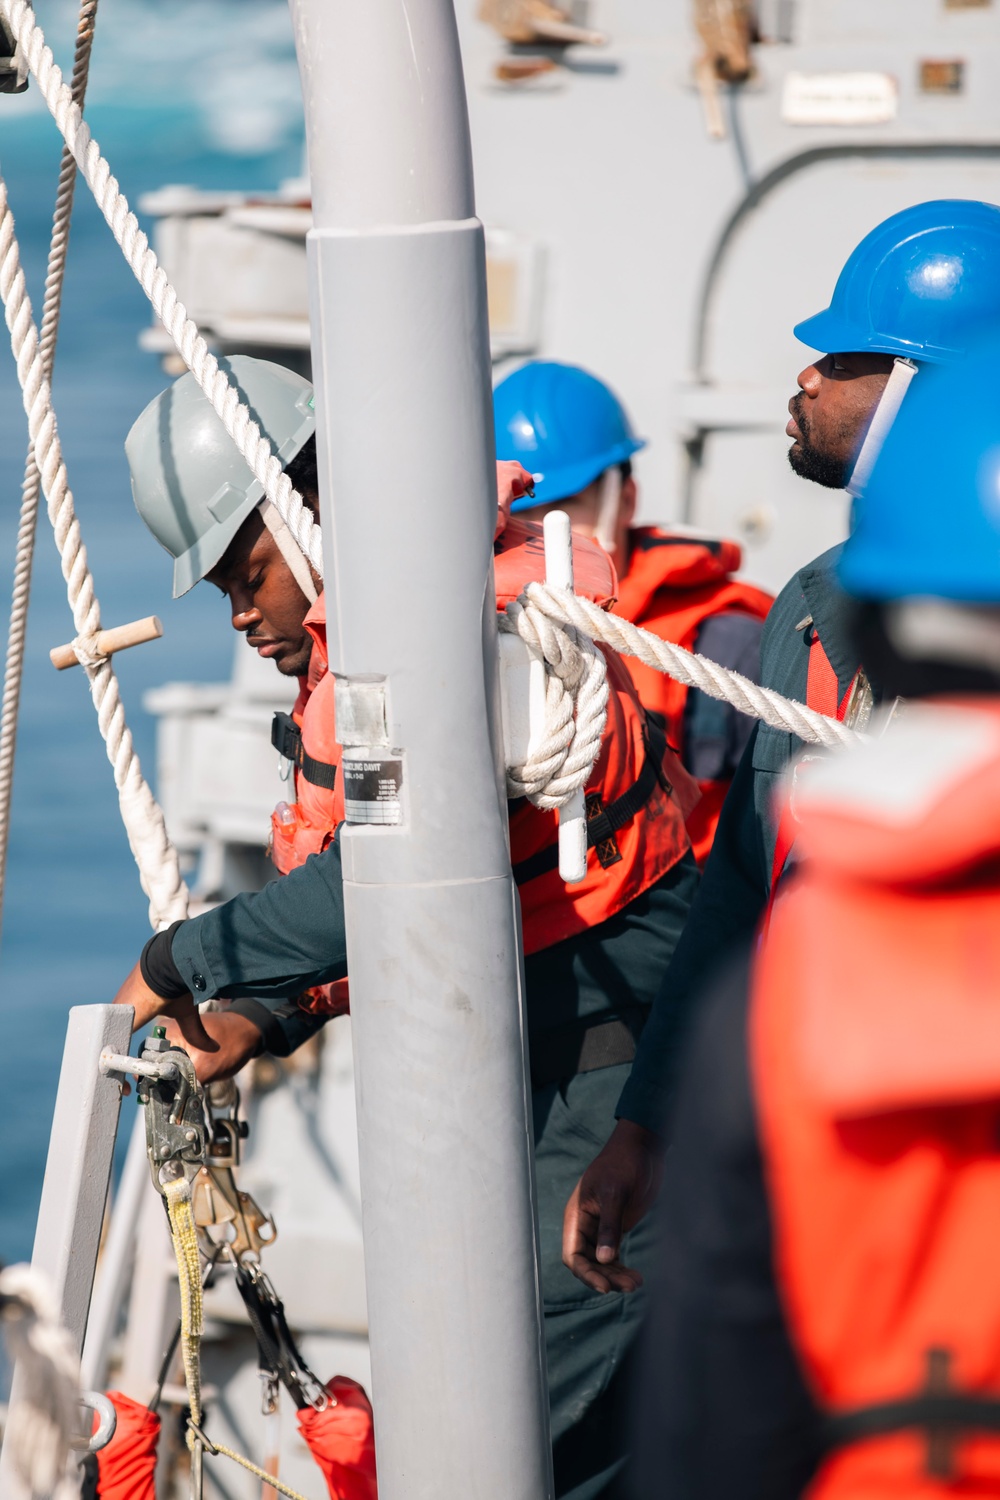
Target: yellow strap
{"type": "Point", "coordinates": [185, 1241]}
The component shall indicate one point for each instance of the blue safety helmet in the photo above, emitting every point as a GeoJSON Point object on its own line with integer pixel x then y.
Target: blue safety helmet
{"type": "Point", "coordinates": [928, 522]}
{"type": "Point", "coordinates": [563, 425]}
{"type": "Point", "coordinates": [919, 285]}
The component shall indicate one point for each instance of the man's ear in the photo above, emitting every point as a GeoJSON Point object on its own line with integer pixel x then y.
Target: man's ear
{"type": "Point", "coordinates": [629, 500]}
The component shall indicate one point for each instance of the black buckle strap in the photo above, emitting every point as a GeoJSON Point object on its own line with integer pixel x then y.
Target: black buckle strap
{"type": "Point", "coordinates": [604, 822]}
{"type": "Point", "coordinates": [286, 737]}
{"type": "Point", "coordinates": [583, 1047]}
{"type": "Point", "coordinates": [278, 1355]}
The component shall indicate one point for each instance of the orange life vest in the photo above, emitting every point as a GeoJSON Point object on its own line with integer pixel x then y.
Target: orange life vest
{"type": "Point", "coordinates": [636, 799]}
{"type": "Point", "coordinates": [875, 1048]}
{"type": "Point", "coordinates": [673, 584]}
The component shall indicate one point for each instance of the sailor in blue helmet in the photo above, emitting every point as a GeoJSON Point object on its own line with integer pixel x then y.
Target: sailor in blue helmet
{"type": "Point", "coordinates": [824, 1320]}
{"type": "Point", "coordinates": [573, 434]}
{"type": "Point", "coordinates": [913, 294]}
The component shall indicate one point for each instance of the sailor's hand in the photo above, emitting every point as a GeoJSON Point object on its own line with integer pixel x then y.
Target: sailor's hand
{"type": "Point", "coordinates": [230, 1041]}
{"type": "Point", "coordinates": [614, 1193]}
{"type": "Point", "coordinates": [147, 1005]}
{"type": "Point", "coordinates": [513, 481]}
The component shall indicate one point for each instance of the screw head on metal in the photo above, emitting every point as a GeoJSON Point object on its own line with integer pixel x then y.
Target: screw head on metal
{"type": "Point", "coordinates": [190, 1135]}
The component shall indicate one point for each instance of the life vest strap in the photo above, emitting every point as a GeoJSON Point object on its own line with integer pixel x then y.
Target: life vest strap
{"type": "Point", "coordinates": [948, 1412]}
{"type": "Point", "coordinates": [286, 737]}
{"type": "Point", "coordinates": [603, 824]}
{"type": "Point", "coordinates": [941, 1410]}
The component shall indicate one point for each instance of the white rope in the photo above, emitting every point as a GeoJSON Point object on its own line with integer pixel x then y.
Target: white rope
{"type": "Point", "coordinates": [233, 412]}
{"type": "Point", "coordinates": [576, 701]}
{"type": "Point", "coordinates": [46, 1417]}
{"type": "Point", "coordinates": [31, 485]}
{"type": "Point", "coordinates": [159, 869]}
{"type": "Point", "coordinates": [541, 607]}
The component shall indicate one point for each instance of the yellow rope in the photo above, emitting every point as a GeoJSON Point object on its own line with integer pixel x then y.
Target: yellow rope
{"type": "Point", "coordinates": [276, 1484]}
{"type": "Point", "coordinates": [185, 1241]}
{"type": "Point", "coordinates": [184, 1237]}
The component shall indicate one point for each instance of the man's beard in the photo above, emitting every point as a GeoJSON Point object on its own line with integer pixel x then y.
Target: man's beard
{"type": "Point", "coordinates": [810, 462]}
{"type": "Point", "coordinates": [296, 665]}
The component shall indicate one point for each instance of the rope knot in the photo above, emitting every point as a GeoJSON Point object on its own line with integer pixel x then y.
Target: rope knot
{"type": "Point", "coordinates": [86, 649]}
{"type": "Point", "coordinates": [576, 702]}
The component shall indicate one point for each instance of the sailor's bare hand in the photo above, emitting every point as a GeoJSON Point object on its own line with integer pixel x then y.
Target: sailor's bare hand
{"type": "Point", "coordinates": [147, 1005]}
{"type": "Point", "coordinates": [513, 481]}
{"type": "Point", "coordinates": [614, 1193]}
{"type": "Point", "coordinates": [230, 1041]}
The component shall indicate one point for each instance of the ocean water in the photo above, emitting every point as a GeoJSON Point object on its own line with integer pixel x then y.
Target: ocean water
{"type": "Point", "coordinates": [204, 92]}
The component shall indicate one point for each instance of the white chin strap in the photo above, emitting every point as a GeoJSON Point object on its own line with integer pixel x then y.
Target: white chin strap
{"type": "Point", "coordinates": [903, 371]}
{"type": "Point", "coordinates": [606, 530]}
{"type": "Point", "coordinates": [288, 547]}
{"type": "Point", "coordinates": [940, 630]}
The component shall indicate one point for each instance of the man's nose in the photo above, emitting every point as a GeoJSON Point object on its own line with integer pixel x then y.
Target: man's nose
{"type": "Point", "coordinates": [809, 380]}
{"type": "Point", "coordinates": [245, 617]}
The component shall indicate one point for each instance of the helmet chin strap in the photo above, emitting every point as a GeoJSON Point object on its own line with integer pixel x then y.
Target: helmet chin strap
{"type": "Point", "coordinates": [903, 371]}
{"type": "Point", "coordinates": [289, 549]}
{"type": "Point", "coordinates": [609, 505]}
{"type": "Point", "coordinates": [944, 630]}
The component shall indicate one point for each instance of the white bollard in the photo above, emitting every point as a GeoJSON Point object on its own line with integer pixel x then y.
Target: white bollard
{"type": "Point", "coordinates": [573, 815]}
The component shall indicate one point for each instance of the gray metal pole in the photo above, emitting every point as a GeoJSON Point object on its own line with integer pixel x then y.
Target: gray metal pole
{"type": "Point", "coordinates": [401, 362]}
{"type": "Point", "coordinates": [77, 1173]}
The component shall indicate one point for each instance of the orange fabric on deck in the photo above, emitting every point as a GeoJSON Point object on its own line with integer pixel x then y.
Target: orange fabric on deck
{"type": "Point", "coordinates": [127, 1466]}
{"type": "Point", "coordinates": [342, 1440]}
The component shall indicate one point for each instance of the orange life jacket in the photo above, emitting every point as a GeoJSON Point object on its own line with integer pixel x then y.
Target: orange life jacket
{"type": "Point", "coordinates": [672, 585]}
{"type": "Point", "coordinates": [875, 1048]}
{"type": "Point", "coordinates": [636, 799]}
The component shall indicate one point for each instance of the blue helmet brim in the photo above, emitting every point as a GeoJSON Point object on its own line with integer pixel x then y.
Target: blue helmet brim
{"type": "Point", "coordinates": [560, 484]}
{"type": "Point", "coordinates": [829, 334]}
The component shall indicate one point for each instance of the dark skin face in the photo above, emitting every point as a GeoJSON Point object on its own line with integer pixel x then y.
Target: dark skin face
{"type": "Point", "coordinates": [831, 413]}
{"type": "Point", "coordinates": [268, 607]}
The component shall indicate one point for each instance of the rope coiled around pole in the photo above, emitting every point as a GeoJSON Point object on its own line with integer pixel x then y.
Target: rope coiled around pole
{"type": "Point", "coordinates": [224, 396]}
{"type": "Point", "coordinates": [31, 485]}
{"type": "Point", "coordinates": [561, 627]}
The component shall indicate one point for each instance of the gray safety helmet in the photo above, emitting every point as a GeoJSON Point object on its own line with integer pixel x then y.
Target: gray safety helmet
{"type": "Point", "coordinates": [189, 482]}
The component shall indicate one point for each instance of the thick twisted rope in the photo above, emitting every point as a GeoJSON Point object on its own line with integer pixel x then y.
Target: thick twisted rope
{"type": "Point", "coordinates": [159, 869]}
{"type": "Point", "coordinates": [44, 1421]}
{"type": "Point", "coordinates": [233, 412]}
{"type": "Point", "coordinates": [576, 702]}
{"type": "Point", "coordinates": [541, 603]}
{"type": "Point", "coordinates": [31, 486]}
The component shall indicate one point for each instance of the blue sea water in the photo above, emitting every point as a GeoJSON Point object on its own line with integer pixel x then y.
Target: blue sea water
{"type": "Point", "coordinates": [202, 92]}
